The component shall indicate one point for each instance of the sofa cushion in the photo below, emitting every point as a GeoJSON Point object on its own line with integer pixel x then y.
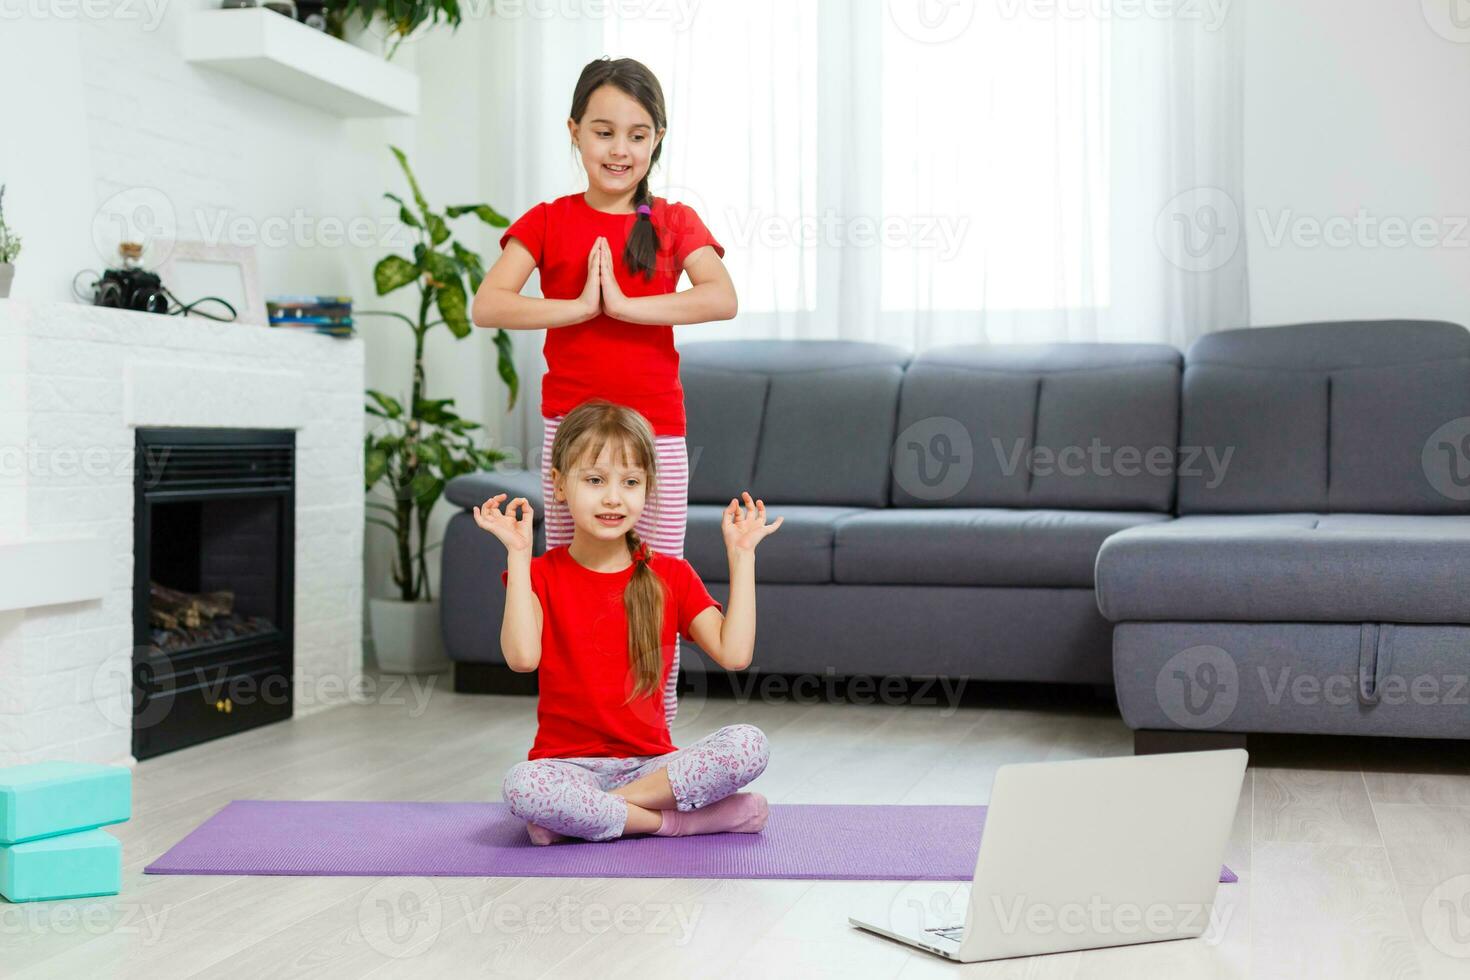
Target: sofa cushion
{"type": "Point", "coordinates": [473, 489]}
{"type": "Point", "coordinates": [1342, 568]}
{"type": "Point", "coordinates": [974, 546]}
{"type": "Point", "coordinates": [796, 421]}
{"type": "Point", "coordinates": [1039, 425]}
{"type": "Point", "coordinates": [1325, 417]}
{"type": "Point", "coordinates": [801, 551]}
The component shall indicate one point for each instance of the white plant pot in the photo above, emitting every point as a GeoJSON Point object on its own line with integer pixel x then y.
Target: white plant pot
{"type": "Point", "coordinates": [406, 636]}
{"type": "Point", "coordinates": [7, 274]}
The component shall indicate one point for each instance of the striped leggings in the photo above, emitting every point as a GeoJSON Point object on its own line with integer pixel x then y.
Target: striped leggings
{"type": "Point", "coordinates": [665, 516]}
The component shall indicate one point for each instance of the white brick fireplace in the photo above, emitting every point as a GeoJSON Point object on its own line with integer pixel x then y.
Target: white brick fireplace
{"type": "Point", "coordinates": [75, 382]}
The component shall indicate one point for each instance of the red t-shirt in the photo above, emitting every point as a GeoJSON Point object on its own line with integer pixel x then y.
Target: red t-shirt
{"type": "Point", "coordinates": [585, 674]}
{"type": "Point", "coordinates": [632, 364]}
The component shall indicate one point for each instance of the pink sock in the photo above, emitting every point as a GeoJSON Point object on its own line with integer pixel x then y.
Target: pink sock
{"type": "Point", "coordinates": [740, 813]}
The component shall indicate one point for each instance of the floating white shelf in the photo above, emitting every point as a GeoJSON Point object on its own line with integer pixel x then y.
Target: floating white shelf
{"type": "Point", "coordinates": [43, 573]}
{"type": "Point", "coordinates": [274, 52]}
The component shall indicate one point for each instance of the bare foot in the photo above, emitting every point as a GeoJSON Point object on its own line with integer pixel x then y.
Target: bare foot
{"type": "Point", "coordinates": [540, 835]}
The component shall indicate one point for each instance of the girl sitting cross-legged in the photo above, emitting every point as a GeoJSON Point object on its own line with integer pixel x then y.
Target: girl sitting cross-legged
{"type": "Point", "coordinates": [597, 618]}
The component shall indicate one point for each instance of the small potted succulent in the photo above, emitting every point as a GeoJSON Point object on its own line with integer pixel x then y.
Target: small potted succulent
{"type": "Point", "coordinates": [9, 249]}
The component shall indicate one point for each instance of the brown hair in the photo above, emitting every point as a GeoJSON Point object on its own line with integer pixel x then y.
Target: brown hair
{"type": "Point", "coordinates": [581, 436]}
{"type": "Point", "coordinates": [635, 80]}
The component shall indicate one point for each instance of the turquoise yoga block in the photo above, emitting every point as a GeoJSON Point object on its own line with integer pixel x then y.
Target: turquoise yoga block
{"type": "Point", "coordinates": [69, 866]}
{"type": "Point", "coordinates": [44, 799]}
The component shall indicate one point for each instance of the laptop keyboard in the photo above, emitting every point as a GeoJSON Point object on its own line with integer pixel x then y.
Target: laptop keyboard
{"type": "Point", "coordinates": [955, 933]}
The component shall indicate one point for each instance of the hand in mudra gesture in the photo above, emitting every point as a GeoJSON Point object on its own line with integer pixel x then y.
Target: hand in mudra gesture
{"type": "Point", "coordinates": [591, 297]}
{"type": "Point", "coordinates": [516, 535]}
{"type": "Point", "coordinates": [745, 527]}
{"type": "Point", "coordinates": [601, 292]}
{"type": "Point", "coordinates": [613, 299]}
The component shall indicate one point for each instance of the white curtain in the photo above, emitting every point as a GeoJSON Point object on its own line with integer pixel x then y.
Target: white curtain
{"type": "Point", "coordinates": [920, 172]}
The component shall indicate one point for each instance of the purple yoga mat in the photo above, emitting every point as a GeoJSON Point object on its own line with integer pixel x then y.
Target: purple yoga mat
{"type": "Point", "coordinates": [800, 840]}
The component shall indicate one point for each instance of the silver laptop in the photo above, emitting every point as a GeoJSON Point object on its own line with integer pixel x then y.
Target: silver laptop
{"type": "Point", "coordinates": [1090, 853]}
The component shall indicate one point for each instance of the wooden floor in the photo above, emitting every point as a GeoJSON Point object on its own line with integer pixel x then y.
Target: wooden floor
{"type": "Point", "coordinates": [1347, 851]}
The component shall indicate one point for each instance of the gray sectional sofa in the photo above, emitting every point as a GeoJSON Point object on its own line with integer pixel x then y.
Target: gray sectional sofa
{"type": "Point", "coordinates": [1183, 527]}
{"type": "Point", "coordinates": [1324, 584]}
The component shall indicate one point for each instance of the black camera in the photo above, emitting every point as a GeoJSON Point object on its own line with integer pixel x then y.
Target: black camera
{"type": "Point", "coordinates": [132, 289]}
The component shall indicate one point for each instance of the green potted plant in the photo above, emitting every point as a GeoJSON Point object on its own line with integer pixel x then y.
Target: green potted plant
{"type": "Point", "coordinates": [9, 249]}
{"type": "Point", "coordinates": [420, 444]}
{"type": "Point", "coordinates": [392, 20]}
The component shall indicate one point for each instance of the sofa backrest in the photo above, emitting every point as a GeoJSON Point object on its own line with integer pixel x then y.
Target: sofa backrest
{"type": "Point", "coordinates": [1327, 417]}
{"type": "Point", "coordinates": [795, 421]}
{"type": "Point", "coordinates": [1084, 426]}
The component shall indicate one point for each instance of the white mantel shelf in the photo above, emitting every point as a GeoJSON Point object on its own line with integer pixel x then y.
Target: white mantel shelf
{"type": "Point", "coordinates": [274, 52]}
{"type": "Point", "coordinates": [44, 573]}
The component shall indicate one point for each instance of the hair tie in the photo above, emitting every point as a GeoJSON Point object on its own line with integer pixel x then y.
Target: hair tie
{"type": "Point", "coordinates": [645, 209]}
{"type": "Point", "coordinates": [641, 554]}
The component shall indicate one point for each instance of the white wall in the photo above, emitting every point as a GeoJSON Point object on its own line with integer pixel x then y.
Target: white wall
{"type": "Point", "coordinates": [102, 106]}
{"type": "Point", "coordinates": [1356, 105]}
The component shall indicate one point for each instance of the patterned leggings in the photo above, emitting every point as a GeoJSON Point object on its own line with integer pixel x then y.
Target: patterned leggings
{"type": "Point", "coordinates": [662, 523]}
{"type": "Point", "coordinates": [570, 796]}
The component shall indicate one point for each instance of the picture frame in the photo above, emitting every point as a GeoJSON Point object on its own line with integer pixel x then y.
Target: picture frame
{"type": "Point", "coordinates": [194, 270]}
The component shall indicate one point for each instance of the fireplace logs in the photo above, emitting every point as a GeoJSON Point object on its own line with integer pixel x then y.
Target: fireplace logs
{"type": "Point", "coordinates": [181, 620]}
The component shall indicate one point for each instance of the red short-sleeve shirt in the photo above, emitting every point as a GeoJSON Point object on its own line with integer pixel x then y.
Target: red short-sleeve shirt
{"type": "Point", "coordinates": [585, 674]}
{"type": "Point", "coordinates": [632, 364]}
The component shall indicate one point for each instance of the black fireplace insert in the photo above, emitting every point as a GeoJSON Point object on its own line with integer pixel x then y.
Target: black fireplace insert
{"type": "Point", "coordinates": [213, 583]}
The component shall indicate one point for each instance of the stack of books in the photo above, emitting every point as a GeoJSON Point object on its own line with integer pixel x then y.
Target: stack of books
{"type": "Point", "coordinates": [51, 844]}
{"type": "Point", "coordinates": [324, 314]}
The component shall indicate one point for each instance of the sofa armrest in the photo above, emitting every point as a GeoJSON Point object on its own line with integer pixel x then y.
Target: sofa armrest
{"type": "Point", "coordinates": [473, 489]}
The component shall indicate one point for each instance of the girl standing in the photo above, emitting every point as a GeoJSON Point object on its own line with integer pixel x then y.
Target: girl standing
{"type": "Point", "coordinates": [597, 618]}
{"type": "Point", "coordinates": [610, 262]}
